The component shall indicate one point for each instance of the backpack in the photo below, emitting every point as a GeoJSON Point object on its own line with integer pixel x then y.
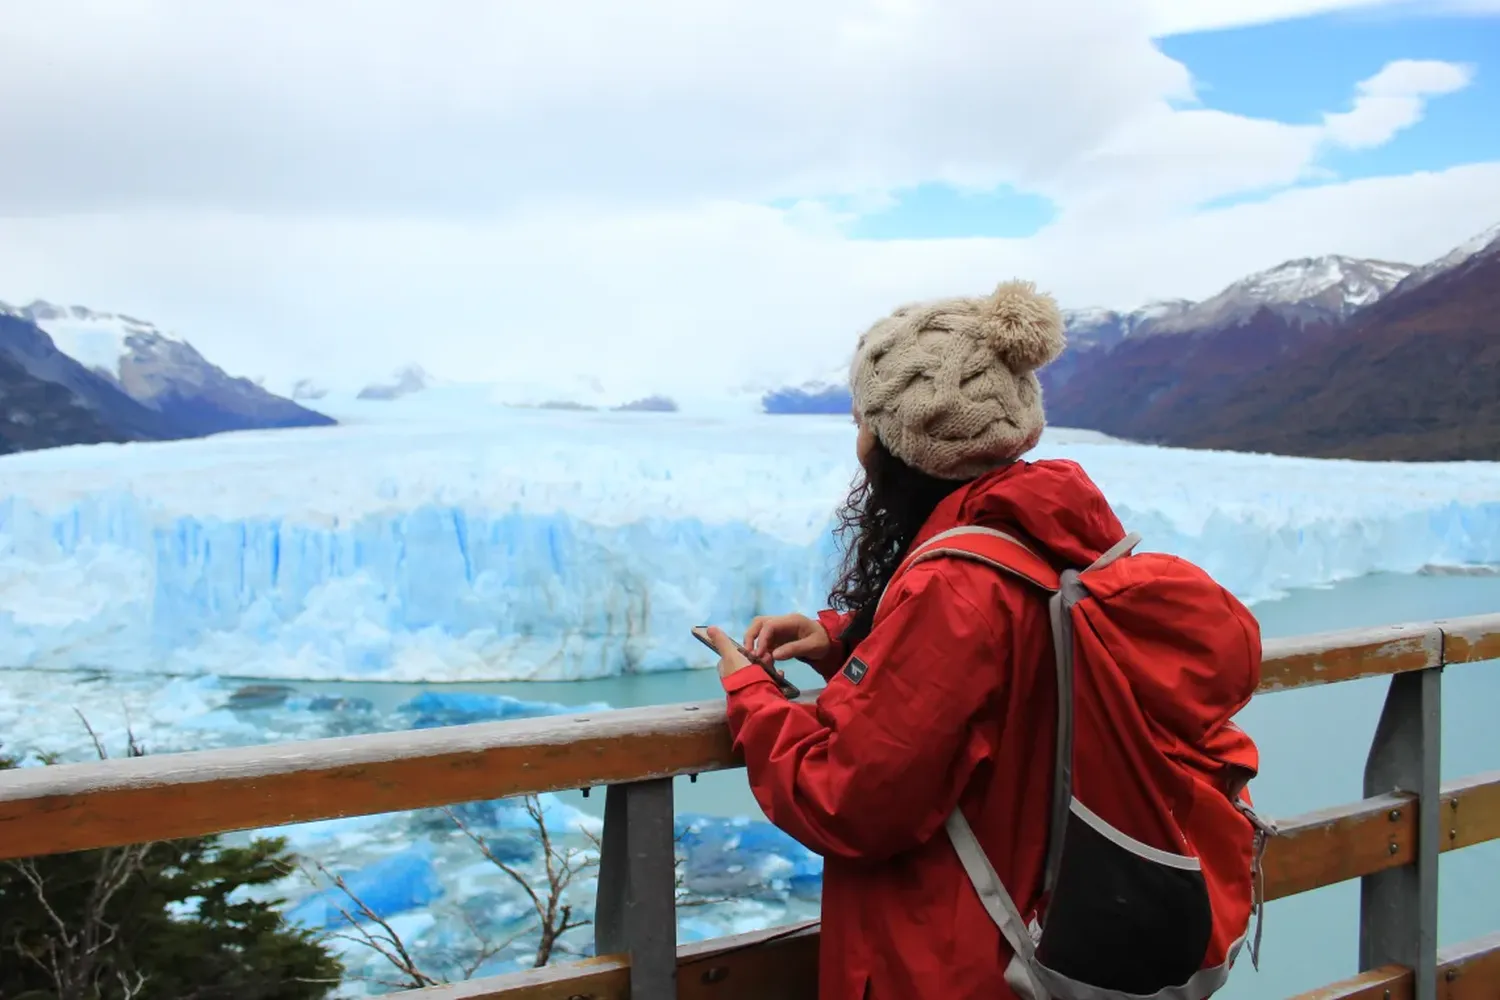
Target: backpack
{"type": "Point", "coordinates": [1154, 852]}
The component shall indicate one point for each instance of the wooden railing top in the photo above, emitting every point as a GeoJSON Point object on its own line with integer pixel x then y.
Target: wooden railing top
{"type": "Point", "coordinates": [47, 810]}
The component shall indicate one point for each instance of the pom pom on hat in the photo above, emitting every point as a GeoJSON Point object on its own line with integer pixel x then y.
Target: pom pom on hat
{"type": "Point", "coordinates": [1023, 326]}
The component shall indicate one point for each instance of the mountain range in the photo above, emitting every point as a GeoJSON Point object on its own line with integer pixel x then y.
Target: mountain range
{"type": "Point", "coordinates": [1328, 356]}
{"type": "Point", "coordinates": [69, 375]}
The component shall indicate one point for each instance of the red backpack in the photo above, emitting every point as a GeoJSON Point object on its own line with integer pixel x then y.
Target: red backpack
{"type": "Point", "coordinates": [1153, 858]}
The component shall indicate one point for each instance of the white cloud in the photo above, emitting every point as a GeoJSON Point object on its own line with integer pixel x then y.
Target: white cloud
{"type": "Point", "coordinates": [1394, 99]}
{"type": "Point", "coordinates": [1180, 17]}
{"type": "Point", "coordinates": [499, 188]}
{"type": "Point", "coordinates": [661, 300]}
{"type": "Point", "coordinates": [1176, 17]}
{"type": "Point", "coordinates": [466, 107]}
{"type": "Point", "coordinates": [469, 108]}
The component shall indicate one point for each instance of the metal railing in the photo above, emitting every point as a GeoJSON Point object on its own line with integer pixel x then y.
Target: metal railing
{"type": "Point", "coordinates": [1391, 839]}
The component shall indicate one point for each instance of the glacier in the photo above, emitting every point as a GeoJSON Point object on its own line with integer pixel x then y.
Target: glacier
{"type": "Point", "coordinates": [446, 538]}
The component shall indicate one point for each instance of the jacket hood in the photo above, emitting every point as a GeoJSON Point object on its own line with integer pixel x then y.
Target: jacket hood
{"type": "Point", "coordinates": [1202, 671]}
{"type": "Point", "coordinates": [1052, 502]}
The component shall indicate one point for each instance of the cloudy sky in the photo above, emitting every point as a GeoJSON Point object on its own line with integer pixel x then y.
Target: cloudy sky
{"type": "Point", "coordinates": [668, 193]}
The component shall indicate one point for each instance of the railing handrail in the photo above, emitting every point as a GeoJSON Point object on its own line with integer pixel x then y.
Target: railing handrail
{"type": "Point", "coordinates": [69, 807]}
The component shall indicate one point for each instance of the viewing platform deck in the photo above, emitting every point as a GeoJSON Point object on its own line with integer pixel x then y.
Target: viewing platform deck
{"type": "Point", "coordinates": [1390, 838]}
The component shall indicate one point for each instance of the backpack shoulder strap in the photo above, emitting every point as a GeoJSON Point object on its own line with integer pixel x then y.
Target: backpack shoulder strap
{"type": "Point", "coordinates": [991, 546]}
{"type": "Point", "coordinates": [1009, 555]}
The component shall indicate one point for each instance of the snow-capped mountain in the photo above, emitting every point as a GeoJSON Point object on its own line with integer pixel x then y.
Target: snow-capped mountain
{"type": "Point", "coordinates": [406, 381]}
{"type": "Point", "coordinates": [50, 399]}
{"type": "Point", "coordinates": [1307, 290]}
{"type": "Point", "coordinates": [1485, 244]}
{"type": "Point", "coordinates": [164, 373]}
{"type": "Point", "coordinates": [827, 393]}
{"type": "Point", "coordinates": [1411, 378]}
{"type": "Point", "coordinates": [1310, 289]}
{"type": "Point", "coordinates": [99, 341]}
{"type": "Point", "coordinates": [1140, 374]}
{"type": "Point", "coordinates": [1205, 375]}
{"type": "Point", "coordinates": [308, 389]}
{"type": "Point", "coordinates": [1087, 328]}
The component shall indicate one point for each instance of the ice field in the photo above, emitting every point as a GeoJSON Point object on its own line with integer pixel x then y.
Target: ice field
{"type": "Point", "coordinates": [453, 539]}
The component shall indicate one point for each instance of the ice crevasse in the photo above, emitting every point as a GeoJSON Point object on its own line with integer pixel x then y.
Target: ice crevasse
{"type": "Point", "coordinates": [560, 545]}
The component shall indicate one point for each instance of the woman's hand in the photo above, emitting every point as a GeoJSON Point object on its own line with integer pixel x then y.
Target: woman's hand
{"type": "Point", "coordinates": [730, 658]}
{"type": "Point", "coordinates": [787, 636]}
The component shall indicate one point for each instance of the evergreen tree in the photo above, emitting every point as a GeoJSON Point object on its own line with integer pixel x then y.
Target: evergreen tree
{"type": "Point", "coordinates": [160, 921]}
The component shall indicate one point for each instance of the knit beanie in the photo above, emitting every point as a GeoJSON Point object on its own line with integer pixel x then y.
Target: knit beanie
{"type": "Point", "coordinates": [949, 386]}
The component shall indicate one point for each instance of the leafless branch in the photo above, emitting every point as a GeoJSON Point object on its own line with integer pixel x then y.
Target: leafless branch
{"type": "Point", "coordinates": [131, 988]}
{"type": "Point", "coordinates": [560, 868]}
{"type": "Point", "coordinates": [98, 743]}
{"type": "Point", "coordinates": [28, 870]}
{"type": "Point", "coordinates": [387, 943]}
{"type": "Point", "coordinates": [484, 950]}
{"type": "Point", "coordinates": [492, 858]}
{"type": "Point", "coordinates": [684, 896]}
{"type": "Point", "coordinates": [73, 956]}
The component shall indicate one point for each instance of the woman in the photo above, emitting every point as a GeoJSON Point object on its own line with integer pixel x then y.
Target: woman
{"type": "Point", "coordinates": [949, 699]}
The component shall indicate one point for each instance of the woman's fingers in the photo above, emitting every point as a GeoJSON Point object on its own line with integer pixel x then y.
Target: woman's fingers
{"type": "Point", "coordinates": [805, 646]}
{"type": "Point", "coordinates": [767, 630]}
{"type": "Point", "coordinates": [753, 633]}
{"type": "Point", "coordinates": [723, 644]}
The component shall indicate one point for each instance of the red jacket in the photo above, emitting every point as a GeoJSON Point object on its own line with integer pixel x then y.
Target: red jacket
{"type": "Point", "coordinates": [956, 705]}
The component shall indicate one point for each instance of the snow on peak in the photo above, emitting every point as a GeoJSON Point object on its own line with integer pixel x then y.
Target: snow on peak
{"type": "Point", "coordinates": [1358, 282]}
{"type": "Point", "coordinates": [406, 381]}
{"type": "Point", "coordinates": [1483, 244]}
{"type": "Point", "coordinates": [1089, 317]}
{"type": "Point", "coordinates": [1489, 240]}
{"type": "Point", "coordinates": [97, 340]}
{"type": "Point", "coordinates": [1100, 327]}
{"type": "Point", "coordinates": [308, 389]}
{"type": "Point", "coordinates": [1305, 290]}
{"type": "Point", "coordinates": [1162, 308]}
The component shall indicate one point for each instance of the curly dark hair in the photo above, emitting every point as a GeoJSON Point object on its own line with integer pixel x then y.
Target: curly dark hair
{"type": "Point", "coordinates": [883, 512]}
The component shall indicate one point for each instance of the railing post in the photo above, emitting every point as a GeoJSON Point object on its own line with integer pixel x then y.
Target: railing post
{"type": "Point", "coordinates": [636, 908]}
{"type": "Point", "coordinates": [1398, 907]}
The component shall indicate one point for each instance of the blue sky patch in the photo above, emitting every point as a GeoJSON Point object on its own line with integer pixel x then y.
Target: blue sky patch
{"type": "Point", "coordinates": [1291, 71]}
{"type": "Point", "coordinates": [1294, 71]}
{"type": "Point", "coordinates": [937, 211]}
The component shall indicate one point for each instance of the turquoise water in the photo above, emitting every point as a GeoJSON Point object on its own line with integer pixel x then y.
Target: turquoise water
{"type": "Point", "coordinates": [1313, 744]}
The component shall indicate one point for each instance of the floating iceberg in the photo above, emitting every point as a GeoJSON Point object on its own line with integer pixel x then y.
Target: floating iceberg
{"type": "Point", "coordinates": [401, 882]}
{"type": "Point", "coordinates": [431, 709]}
{"type": "Point", "coordinates": [744, 858]}
{"type": "Point", "coordinates": [494, 544]}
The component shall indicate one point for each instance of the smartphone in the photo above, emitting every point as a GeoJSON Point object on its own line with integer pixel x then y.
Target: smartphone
{"type": "Point", "coordinates": [789, 689]}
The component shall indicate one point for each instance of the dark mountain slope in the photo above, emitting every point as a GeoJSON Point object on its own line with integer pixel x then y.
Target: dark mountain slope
{"type": "Point", "coordinates": [1415, 377]}
{"type": "Point", "coordinates": [1156, 387]}
{"type": "Point", "coordinates": [26, 346]}
{"type": "Point", "coordinates": [35, 413]}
